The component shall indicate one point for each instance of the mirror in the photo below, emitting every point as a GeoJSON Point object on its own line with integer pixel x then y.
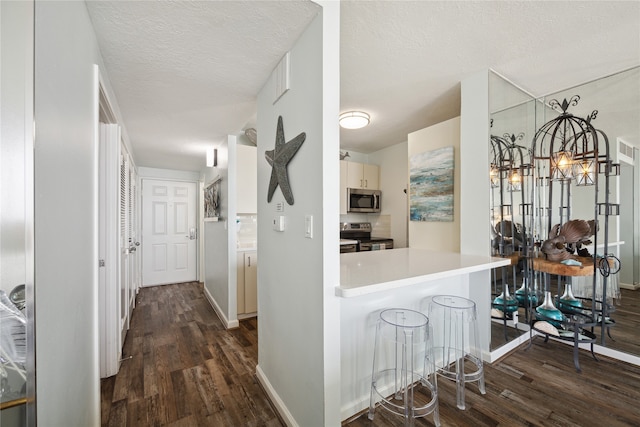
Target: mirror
{"type": "Point", "coordinates": [512, 125]}
{"type": "Point", "coordinates": [613, 104]}
{"type": "Point", "coordinates": [615, 100]}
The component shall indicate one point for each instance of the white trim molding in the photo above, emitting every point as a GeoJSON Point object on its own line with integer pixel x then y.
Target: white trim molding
{"type": "Point", "coordinates": [275, 398]}
{"type": "Point", "coordinates": [227, 324]}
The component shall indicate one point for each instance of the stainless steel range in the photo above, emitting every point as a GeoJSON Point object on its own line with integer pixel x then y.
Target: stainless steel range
{"type": "Point", "coordinates": [361, 231]}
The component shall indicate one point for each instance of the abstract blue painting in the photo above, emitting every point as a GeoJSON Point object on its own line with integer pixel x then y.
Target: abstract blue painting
{"type": "Point", "coordinates": [431, 185]}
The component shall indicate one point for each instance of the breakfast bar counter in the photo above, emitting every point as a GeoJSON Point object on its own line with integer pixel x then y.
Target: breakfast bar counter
{"type": "Point", "coordinates": [404, 278]}
{"type": "Point", "coordinates": [362, 273]}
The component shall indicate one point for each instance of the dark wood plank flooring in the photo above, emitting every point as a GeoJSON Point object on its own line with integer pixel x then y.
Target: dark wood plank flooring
{"type": "Point", "coordinates": [626, 333]}
{"type": "Point", "coordinates": [186, 370]}
{"type": "Point", "coordinates": [538, 387]}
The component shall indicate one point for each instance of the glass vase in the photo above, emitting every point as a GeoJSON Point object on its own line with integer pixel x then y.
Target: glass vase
{"type": "Point", "coordinates": [567, 300]}
{"type": "Point", "coordinates": [523, 293]}
{"type": "Point", "coordinates": [505, 302]}
{"type": "Point", "coordinates": [547, 311]}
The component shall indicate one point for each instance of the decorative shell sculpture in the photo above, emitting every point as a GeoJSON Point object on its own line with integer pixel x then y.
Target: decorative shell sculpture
{"type": "Point", "coordinates": [573, 233]}
{"type": "Point", "coordinates": [576, 230]}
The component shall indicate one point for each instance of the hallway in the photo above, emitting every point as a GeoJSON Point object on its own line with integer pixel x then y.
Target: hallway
{"type": "Point", "coordinates": [182, 368]}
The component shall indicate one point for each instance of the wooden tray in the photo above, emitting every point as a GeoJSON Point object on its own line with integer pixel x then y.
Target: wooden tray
{"type": "Point", "coordinates": [513, 258]}
{"type": "Point", "coordinates": [555, 267]}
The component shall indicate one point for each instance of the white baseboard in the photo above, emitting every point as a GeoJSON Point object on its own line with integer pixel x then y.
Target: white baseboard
{"type": "Point", "coordinates": [633, 287]}
{"type": "Point", "coordinates": [275, 399]}
{"type": "Point", "coordinates": [227, 324]}
{"type": "Point", "coordinates": [506, 348]}
{"type": "Point", "coordinates": [247, 316]}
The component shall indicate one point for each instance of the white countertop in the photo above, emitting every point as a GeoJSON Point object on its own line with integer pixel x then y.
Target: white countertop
{"type": "Point", "coordinates": [362, 273]}
{"type": "Point", "coordinates": [348, 242]}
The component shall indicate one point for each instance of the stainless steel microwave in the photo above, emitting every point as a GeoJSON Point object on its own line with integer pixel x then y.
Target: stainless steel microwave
{"type": "Point", "coordinates": [360, 200]}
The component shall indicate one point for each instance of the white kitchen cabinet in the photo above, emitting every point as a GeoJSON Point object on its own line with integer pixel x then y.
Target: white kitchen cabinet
{"type": "Point", "coordinates": [247, 180]}
{"type": "Point", "coordinates": [343, 187]}
{"type": "Point", "coordinates": [250, 282]}
{"type": "Point", "coordinates": [362, 175]}
{"type": "Point", "coordinates": [240, 281]}
{"type": "Point", "coordinates": [247, 266]}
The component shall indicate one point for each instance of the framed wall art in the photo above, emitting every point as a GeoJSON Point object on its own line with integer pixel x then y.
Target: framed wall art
{"type": "Point", "coordinates": [431, 185]}
{"type": "Point", "coordinates": [212, 200]}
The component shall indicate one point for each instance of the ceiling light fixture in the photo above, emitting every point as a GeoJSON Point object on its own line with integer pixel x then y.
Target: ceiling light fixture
{"type": "Point", "coordinates": [354, 119]}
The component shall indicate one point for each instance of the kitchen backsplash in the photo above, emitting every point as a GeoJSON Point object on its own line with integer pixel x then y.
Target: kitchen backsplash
{"type": "Point", "coordinates": [381, 226]}
{"type": "Point", "coordinates": [247, 229]}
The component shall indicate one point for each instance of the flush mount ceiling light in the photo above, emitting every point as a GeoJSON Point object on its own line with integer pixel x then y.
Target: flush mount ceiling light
{"type": "Point", "coordinates": [354, 119]}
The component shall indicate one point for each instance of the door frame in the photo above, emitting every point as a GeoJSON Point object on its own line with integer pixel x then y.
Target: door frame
{"type": "Point", "coordinates": [111, 331]}
{"type": "Point", "coordinates": [107, 264]}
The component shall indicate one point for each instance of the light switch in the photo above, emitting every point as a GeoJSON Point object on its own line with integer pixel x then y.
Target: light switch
{"type": "Point", "coordinates": [308, 226]}
{"type": "Point", "coordinates": [278, 223]}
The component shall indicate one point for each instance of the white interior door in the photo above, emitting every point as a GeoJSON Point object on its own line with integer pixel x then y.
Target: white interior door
{"type": "Point", "coordinates": [111, 334]}
{"type": "Point", "coordinates": [125, 245]}
{"type": "Point", "coordinates": [169, 233]}
{"type": "Point", "coordinates": [134, 243]}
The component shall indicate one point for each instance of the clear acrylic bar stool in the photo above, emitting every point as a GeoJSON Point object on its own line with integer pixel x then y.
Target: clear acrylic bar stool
{"type": "Point", "coordinates": [455, 342]}
{"type": "Point", "coordinates": [399, 370]}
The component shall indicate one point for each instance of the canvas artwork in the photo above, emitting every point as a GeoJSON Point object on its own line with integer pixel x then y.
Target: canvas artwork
{"type": "Point", "coordinates": [431, 185]}
{"type": "Point", "coordinates": [212, 201]}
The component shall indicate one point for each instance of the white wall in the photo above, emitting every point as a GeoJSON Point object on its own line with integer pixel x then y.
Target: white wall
{"type": "Point", "coordinates": [220, 239]}
{"type": "Point", "coordinates": [168, 174]}
{"type": "Point", "coordinates": [629, 225]}
{"type": "Point", "coordinates": [16, 179]}
{"type": "Point", "coordinates": [299, 328]}
{"type": "Point", "coordinates": [16, 82]}
{"type": "Point", "coordinates": [441, 236]}
{"type": "Point", "coordinates": [475, 233]}
{"type": "Point", "coordinates": [394, 180]}
{"type": "Point", "coordinates": [68, 388]}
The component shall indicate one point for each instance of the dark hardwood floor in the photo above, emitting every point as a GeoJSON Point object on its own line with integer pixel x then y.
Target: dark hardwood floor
{"type": "Point", "coordinates": [184, 368]}
{"type": "Point", "coordinates": [187, 370]}
{"type": "Point", "coordinates": [626, 332]}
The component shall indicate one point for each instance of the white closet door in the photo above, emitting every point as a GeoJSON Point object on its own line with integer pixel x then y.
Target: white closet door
{"type": "Point", "coordinates": [111, 328]}
{"type": "Point", "coordinates": [125, 243]}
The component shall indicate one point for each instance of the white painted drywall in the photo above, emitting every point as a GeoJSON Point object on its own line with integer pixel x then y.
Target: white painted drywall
{"type": "Point", "coordinates": [68, 388]}
{"type": "Point", "coordinates": [168, 174]}
{"type": "Point", "coordinates": [475, 233]}
{"type": "Point", "coordinates": [394, 179]}
{"type": "Point", "coordinates": [440, 236]}
{"type": "Point", "coordinates": [219, 238]}
{"type": "Point", "coordinates": [629, 223]}
{"type": "Point", "coordinates": [16, 81]}
{"type": "Point", "coordinates": [16, 180]}
{"type": "Point", "coordinates": [246, 179]}
{"type": "Point", "coordinates": [299, 338]}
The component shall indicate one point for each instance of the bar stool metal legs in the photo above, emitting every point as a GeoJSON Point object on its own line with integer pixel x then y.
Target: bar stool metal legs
{"type": "Point", "coordinates": [455, 342]}
{"type": "Point", "coordinates": [399, 376]}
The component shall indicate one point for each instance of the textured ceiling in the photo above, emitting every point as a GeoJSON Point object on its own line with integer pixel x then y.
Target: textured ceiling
{"type": "Point", "coordinates": [403, 60]}
{"type": "Point", "coordinates": [186, 73]}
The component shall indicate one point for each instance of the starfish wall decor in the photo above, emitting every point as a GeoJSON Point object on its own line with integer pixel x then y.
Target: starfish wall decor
{"type": "Point", "coordinates": [279, 158]}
